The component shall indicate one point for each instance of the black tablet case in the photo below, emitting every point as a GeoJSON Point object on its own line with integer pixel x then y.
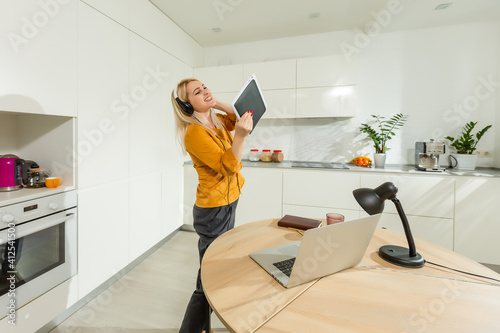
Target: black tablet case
{"type": "Point", "coordinates": [251, 99]}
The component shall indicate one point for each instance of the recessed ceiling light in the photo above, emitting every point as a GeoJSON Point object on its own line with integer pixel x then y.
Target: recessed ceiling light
{"type": "Point", "coordinates": [313, 15]}
{"type": "Point", "coordinates": [443, 6]}
{"type": "Point", "coordinates": [216, 29]}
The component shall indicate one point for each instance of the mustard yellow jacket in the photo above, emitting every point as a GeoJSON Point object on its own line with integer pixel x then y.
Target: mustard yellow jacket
{"type": "Point", "coordinates": [219, 178]}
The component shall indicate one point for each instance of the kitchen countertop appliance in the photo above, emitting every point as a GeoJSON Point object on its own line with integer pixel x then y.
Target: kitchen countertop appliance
{"type": "Point", "coordinates": [13, 172]}
{"type": "Point", "coordinates": [427, 155]}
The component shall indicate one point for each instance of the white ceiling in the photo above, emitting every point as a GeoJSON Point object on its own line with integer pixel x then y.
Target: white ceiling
{"type": "Point", "coordinates": [242, 21]}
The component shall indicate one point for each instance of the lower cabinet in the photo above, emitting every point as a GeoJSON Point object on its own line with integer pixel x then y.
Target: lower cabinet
{"type": "Point", "coordinates": [322, 188]}
{"type": "Point", "coordinates": [436, 230]}
{"type": "Point", "coordinates": [477, 226]}
{"type": "Point", "coordinates": [319, 212]}
{"type": "Point", "coordinates": [190, 184]}
{"type": "Point", "coordinates": [261, 196]}
{"type": "Point", "coordinates": [260, 199]}
{"type": "Point", "coordinates": [313, 194]}
{"type": "Point", "coordinates": [454, 212]}
{"type": "Point", "coordinates": [103, 234]}
{"type": "Point", "coordinates": [428, 203]}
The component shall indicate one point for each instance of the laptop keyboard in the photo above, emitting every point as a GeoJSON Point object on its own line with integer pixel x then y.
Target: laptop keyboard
{"type": "Point", "coordinates": [285, 266]}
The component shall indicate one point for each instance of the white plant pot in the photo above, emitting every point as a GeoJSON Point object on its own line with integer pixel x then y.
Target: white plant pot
{"type": "Point", "coordinates": [463, 161]}
{"type": "Point", "coordinates": [379, 159]}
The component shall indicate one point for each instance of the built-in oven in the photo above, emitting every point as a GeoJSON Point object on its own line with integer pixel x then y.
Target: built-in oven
{"type": "Point", "coordinates": [38, 248]}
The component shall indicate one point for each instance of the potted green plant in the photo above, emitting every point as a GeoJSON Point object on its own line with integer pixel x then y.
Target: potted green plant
{"type": "Point", "coordinates": [465, 146]}
{"type": "Point", "coordinates": [381, 132]}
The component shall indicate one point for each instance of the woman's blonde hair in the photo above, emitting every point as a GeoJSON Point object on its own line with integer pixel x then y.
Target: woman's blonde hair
{"type": "Point", "coordinates": [183, 120]}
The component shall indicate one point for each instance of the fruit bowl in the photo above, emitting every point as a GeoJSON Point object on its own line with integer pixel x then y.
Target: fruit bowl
{"type": "Point", "coordinates": [362, 161]}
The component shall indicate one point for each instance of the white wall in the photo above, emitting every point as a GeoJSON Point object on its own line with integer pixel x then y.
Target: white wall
{"type": "Point", "coordinates": [432, 74]}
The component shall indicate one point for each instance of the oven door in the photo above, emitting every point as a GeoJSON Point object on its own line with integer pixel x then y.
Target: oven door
{"type": "Point", "coordinates": [35, 257]}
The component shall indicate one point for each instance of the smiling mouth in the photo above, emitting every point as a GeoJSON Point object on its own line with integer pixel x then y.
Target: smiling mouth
{"type": "Point", "coordinates": [208, 99]}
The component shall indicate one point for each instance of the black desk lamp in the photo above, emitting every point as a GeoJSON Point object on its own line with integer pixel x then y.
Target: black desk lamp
{"type": "Point", "coordinates": [372, 201]}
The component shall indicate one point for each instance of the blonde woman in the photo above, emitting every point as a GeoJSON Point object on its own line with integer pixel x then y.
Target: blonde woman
{"type": "Point", "coordinates": [216, 155]}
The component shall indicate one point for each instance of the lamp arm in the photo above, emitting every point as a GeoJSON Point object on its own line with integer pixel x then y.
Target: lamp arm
{"type": "Point", "coordinates": [406, 226]}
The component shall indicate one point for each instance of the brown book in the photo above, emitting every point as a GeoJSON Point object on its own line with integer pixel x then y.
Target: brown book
{"type": "Point", "coordinates": [297, 222]}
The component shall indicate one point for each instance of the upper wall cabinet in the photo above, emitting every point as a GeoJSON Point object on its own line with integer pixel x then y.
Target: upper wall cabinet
{"type": "Point", "coordinates": [328, 71]}
{"type": "Point", "coordinates": [273, 74]}
{"type": "Point", "coordinates": [319, 102]}
{"type": "Point", "coordinates": [38, 54]}
{"type": "Point", "coordinates": [221, 79]}
{"type": "Point", "coordinates": [293, 88]}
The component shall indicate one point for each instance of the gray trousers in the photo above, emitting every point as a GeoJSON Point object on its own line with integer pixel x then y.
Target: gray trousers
{"type": "Point", "coordinates": [209, 224]}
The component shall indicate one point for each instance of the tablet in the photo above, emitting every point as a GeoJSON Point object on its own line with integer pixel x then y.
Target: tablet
{"type": "Point", "coordinates": [250, 98]}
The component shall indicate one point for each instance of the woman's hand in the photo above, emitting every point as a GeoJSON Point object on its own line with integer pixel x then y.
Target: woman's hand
{"type": "Point", "coordinates": [244, 125]}
{"type": "Point", "coordinates": [243, 128]}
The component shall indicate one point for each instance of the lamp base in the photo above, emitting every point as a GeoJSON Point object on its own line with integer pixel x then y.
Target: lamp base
{"type": "Point", "coordinates": [400, 256]}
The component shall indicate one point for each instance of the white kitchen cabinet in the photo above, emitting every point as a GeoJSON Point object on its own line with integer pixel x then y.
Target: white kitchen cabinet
{"type": "Point", "coordinates": [477, 227]}
{"type": "Point", "coordinates": [148, 22]}
{"type": "Point", "coordinates": [273, 74]}
{"type": "Point", "coordinates": [190, 185]}
{"type": "Point", "coordinates": [104, 102]}
{"type": "Point", "coordinates": [103, 234]}
{"type": "Point", "coordinates": [172, 157]}
{"type": "Point", "coordinates": [435, 230]}
{"type": "Point", "coordinates": [227, 97]}
{"type": "Point", "coordinates": [320, 188]}
{"type": "Point", "coordinates": [426, 195]}
{"type": "Point", "coordinates": [261, 196]}
{"type": "Point", "coordinates": [327, 71]}
{"type": "Point", "coordinates": [118, 10]}
{"type": "Point", "coordinates": [145, 221]}
{"type": "Point", "coordinates": [148, 83]}
{"type": "Point", "coordinates": [319, 212]}
{"type": "Point", "coordinates": [428, 202]}
{"type": "Point", "coordinates": [326, 102]}
{"type": "Point", "coordinates": [38, 51]}
{"type": "Point", "coordinates": [221, 78]}
{"type": "Point", "coordinates": [280, 104]}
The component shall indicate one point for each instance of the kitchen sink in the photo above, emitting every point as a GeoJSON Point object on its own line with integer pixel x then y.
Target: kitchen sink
{"type": "Point", "coordinates": [319, 165]}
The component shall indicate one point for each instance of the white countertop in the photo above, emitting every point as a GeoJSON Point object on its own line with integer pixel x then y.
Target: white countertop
{"type": "Point", "coordinates": [390, 168]}
{"type": "Point", "coordinates": [25, 194]}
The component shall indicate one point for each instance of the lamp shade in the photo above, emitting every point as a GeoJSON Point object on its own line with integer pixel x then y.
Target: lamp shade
{"type": "Point", "coordinates": [372, 200]}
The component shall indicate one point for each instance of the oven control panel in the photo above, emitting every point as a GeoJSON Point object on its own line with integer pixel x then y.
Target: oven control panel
{"type": "Point", "coordinates": [36, 208]}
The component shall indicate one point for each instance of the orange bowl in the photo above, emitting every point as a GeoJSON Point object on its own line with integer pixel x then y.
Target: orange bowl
{"type": "Point", "coordinates": [52, 182]}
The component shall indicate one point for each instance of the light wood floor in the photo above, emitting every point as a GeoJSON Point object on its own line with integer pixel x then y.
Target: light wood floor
{"type": "Point", "coordinates": [151, 298]}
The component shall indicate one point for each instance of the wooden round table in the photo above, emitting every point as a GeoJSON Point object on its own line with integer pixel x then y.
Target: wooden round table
{"type": "Point", "coordinates": [374, 296]}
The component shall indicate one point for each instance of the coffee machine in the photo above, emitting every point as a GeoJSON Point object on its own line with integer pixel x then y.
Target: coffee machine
{"type": "Point", "coordinates": [427, 155]}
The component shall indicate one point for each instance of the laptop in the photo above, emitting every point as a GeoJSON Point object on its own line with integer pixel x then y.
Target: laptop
{"type": "Point", "coordinates": [322, 251]}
